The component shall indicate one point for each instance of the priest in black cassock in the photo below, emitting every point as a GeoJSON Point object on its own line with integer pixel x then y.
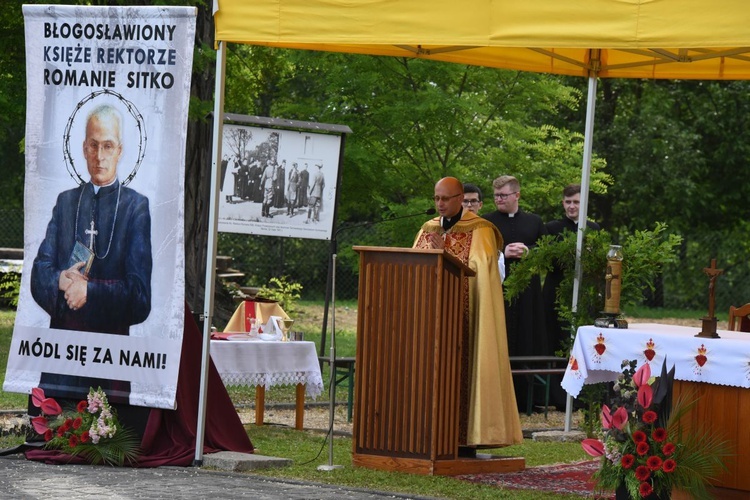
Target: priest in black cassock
{"type": "Point", "coordinates": [92, 272]}
{"type": "Point", "coordinates": [524, 315]}
{"type": "Point", "coordinates": [557, 330]}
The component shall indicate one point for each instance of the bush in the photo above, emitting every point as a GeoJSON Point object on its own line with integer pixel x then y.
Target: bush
{"type": "Point", "coordinates": [645, 255]}
{"type": "Point", "coordinates": [284, 292]}
{"type": "Point", "coordinates": [10, 288]}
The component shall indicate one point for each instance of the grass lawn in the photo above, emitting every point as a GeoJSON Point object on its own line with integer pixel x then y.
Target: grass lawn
{"type": "Point", "coordinates": [308, 449]}
{"type": "Point", "coordinates": [8, 400]}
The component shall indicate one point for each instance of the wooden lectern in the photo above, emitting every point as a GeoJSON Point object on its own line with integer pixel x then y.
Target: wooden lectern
{"type": "Point", "coordinates": [408, 385]}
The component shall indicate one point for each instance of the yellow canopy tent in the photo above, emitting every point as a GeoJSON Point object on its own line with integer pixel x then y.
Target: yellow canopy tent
{"type": "Point", "coordinates": [682, 39]}
{"type": "Point", "coordinates": [665, 39]}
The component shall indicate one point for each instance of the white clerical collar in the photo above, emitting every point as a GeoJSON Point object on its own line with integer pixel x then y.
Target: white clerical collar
{"type": "Point", "coordinates": [513, 214]}
{"type": "Point", "coordinates": [448, 222]}
{"type": "Point", "coordinates": [97, 187]}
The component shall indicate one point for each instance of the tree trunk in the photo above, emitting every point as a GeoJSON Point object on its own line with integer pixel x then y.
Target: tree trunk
{"type": "Point", "coordinates": [198, 164]}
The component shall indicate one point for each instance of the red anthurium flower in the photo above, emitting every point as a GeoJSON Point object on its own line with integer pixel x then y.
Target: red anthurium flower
{"type": "Point", "coordinates": [669, 466]}
{"type": "Point", "coordinates": [593, 447]}
{"type": "Point", "coordinates": [639, 436]}
{"type": "Point", "coordinates": [645, 490]}
{"type": "Point", "coordinates": [620, 418]}
{"type": "Point", "coordinates": [37, 396]}
{"type": "Point", "coordinates": [642, 473]}
{"type": "Point", "coordinates": [40, 424]}
{"type": "Point", "coordinates": [81, 407]}
{"type": "Point", "coordinates": [659, 434]}
{"type": "Point", "coordinates": [50, 407]}
{"type": "Point", "coordinates": [627, 461]}
{"type": "Point", "coordinates": [645, 395]}
{"type": "Point", "coordinates": [642, 375]}
{"type": "Point", "coordinates": [650, 417]}
{"type": "Point", "coordinates": [654, 463]}
{"type": "Point", "coordinates": [48, 435]}
{"type": "Point", "coordinates": [642, 448]}
{"type": "Point", "coordinates": [668, 449]}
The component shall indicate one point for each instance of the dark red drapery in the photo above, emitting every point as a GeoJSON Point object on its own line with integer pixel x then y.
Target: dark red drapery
{"type": "Point", "coordinates": [169, 436]}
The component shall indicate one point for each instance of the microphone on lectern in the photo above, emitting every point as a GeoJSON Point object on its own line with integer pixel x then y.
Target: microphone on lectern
{"type": "Point", "coordinates": [429, 211]}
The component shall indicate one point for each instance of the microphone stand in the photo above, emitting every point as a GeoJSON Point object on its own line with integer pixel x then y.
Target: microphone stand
{"type": "Point", "coordinates": [332, 370]}
{"type": "Point", "coordinates": [332, 350]}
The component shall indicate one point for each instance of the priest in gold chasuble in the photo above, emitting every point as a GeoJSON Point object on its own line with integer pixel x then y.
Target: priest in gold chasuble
{"type": "Point", "coordinates": [488, 415]}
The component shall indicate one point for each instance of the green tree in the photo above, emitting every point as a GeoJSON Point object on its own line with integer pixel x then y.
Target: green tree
{"type": "Point", "coordinates": [718, 112]}
{"type": "Point", "coordinates": [676, 150]}
{"type": "Point", "coordinates": [651, 153]}
{"type": "Point", "coordinates": [13, 104]}
{"type": "Point", "coordinates": [645, 253]}
{"type": "Point", "coordinates": [414, 121]}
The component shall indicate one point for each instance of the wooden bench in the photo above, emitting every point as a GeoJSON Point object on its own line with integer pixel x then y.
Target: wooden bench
{"type": "Point", "coordinates": [343, 371]}
{"type": "Point", "coordinates": [537, 370]}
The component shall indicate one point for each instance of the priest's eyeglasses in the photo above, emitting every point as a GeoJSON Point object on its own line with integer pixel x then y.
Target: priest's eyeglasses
{"type": "Point", "coordinates": [445, 199]}
{"type": "Point", "coordinates": [504, 196]}
{"type": "Point", "coordinates": [107, 148]}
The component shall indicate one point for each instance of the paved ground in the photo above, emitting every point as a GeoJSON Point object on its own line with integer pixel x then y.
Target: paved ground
{"type": "Point", "coordinates": [23, 479]}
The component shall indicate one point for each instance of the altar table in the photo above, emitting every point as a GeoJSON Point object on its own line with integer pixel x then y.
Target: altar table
{"type": "Point", "coordinates": [265, 364]}
{"type": "Point", "coordinates": [715, 371]}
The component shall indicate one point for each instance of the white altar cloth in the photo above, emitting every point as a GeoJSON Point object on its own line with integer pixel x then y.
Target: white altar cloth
{"type": "Point", "coordinates": [598, 354]}
{"type": "Point", "coordinates": [267, 364]}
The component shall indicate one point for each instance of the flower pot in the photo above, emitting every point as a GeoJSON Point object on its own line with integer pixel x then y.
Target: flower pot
{"type": "Point", "coordinates": [621, 493]}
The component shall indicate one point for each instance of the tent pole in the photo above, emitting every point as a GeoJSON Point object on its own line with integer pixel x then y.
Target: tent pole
{"type": "Point", "coordinates": [583, 212]}
{"type": "Point", "coordinates": [213, 216]}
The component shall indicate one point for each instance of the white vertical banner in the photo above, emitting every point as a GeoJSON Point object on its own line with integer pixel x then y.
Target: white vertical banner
{"type": "Point", "coordinates": [102, 292]}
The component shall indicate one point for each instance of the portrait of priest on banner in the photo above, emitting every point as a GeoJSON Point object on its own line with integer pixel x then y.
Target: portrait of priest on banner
{"type": "Point", "coordinates": [92, 271]}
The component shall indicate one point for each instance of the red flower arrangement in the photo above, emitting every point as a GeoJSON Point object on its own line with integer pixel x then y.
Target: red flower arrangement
{"type": "Point", "coordinates": [642, 446]}
{"type": "Point", "coordinates": [92, 431]}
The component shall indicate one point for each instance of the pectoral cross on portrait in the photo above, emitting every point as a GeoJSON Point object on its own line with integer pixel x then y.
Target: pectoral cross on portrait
{"type": "Point", "coordinates": [608, 278]}
{"type": "Point", "coordinates": [712, 274]}
{"type": "Point", "coordinates": [91, 232]}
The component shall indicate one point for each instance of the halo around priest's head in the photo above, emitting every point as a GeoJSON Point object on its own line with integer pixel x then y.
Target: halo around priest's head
{"type": "Point", "coordinates": [108, 95]}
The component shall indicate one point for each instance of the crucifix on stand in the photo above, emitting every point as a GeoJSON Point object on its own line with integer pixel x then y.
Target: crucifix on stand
{"type": "Point", "coordinates": [709, 322]}
{"type": "Point", "coordinates": [610, 276]}
{"type": "Point", "coordinates": [613, 286]}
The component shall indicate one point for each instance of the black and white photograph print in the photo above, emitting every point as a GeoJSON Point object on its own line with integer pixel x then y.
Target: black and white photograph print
{"type": "Point", "coordinates": [278, 182]}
